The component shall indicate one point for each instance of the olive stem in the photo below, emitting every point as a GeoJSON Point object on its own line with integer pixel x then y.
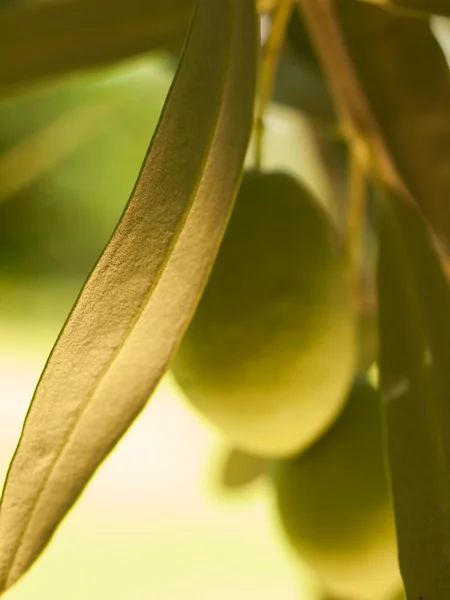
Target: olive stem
{"type": "Point", "coordinates": [271, 54]}
{"type": "Point", "coordinates": [356, 212]}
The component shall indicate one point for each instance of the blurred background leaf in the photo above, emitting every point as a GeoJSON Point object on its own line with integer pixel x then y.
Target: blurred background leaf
{"type": "Point", "coordinates": [53, 38]}
{"type": "Point", "coordinates": [300, 82]}
{"type": "Point", "coordinates": [69, 157]}
{"type": "Point", "coordinates": [415, 378]}
{"type": "Point", "coordinates": [241, 469]}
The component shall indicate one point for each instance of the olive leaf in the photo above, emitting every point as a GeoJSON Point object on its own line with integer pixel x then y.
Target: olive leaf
{"type": "Point", "coordinates": [299, 81]}
{"type": "Point", "coordinates": [240, 469]}
{"type": "Point", "coordinates": [421, 7]}
{"type": "Point", "coordinates": [52, 38]}
{"type": "Point", "coordinates": [129, 319]}
{"type": "Point", "coordinates": [414, 300]}
{"type": "Point", "coordinates": [392, 82]}
{"type": "Point", "coordinates": [299, 86]}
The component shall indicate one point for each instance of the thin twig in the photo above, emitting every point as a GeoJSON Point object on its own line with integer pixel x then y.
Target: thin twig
{"type": "Point", "coordinates": [356, 216]}
{"type": "Point", "coordinates": [271, 54]}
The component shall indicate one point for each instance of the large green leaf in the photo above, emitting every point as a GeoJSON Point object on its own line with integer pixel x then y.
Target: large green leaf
{"type": "Point", "coordinates": [414, 299]}
{"type": "Point", "coordinates": [426, 7]}
{"type": "Point", "coordinates": [392, 81]}
{"type": "Point", "coordinates": [53, 38]}
{"type": "Point", "coordinates": [135, 306]}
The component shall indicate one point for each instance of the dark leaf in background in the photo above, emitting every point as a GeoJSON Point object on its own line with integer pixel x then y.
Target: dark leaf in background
{"type": "Point", "coordinates": [50, 39]}
{"type": "Point", "coordinates": [300, 82]}
{"type": "Point", "coordinates": [415, 377]}
{"type": "Point", "coordinates": [391, 79]}
{"type": "Point", "coordinates": [300, 86]}
{"type": "Point", "coordinates": [129, 319]}
{"type": "Point", "coordinates": [299, 39]}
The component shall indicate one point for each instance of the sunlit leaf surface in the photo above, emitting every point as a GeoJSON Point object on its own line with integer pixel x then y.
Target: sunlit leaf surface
{"type": "Point", "coordinates": [300, 82]}
{"type": "Point", "coordinates": [136, 305]}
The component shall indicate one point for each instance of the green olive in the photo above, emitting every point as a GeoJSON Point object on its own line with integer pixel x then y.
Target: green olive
{"type": "Point", "coordinates": [334, 503]}
{"type": "Point", "coordinates": [270, 352]}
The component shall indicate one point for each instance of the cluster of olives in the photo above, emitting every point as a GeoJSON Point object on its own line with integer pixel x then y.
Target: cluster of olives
{"type": "Point", "coordinates": [272, 358]}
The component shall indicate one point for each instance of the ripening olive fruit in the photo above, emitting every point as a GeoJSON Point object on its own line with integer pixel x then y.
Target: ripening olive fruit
{"type": "Point", "coordinates": [335, 506]}
{"type": "Point", "coordinates": [270, 352]}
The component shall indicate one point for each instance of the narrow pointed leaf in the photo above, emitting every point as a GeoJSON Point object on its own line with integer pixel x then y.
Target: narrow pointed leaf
{"type": "Point", "coordinates": [136, 305]}
{"type": "Point", "coordinates": [414, 302]}
{"type": "Point", "coordinates": [241, 469]}
{"type": "Point", "coordinates": [392, 81]}
{"type": "Point", "coordinates": [52, 38]}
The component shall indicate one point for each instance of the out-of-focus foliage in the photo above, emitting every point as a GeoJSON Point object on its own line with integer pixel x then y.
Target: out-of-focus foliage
{"type": "Point", "coordinates": [415, 378]}
{"type": "Point", "coordinates": [300, 82]}
{"type": "Point", "coordinates": [82, 141]}
{"type": "Point", "coordinates": [392, 81]}
{"type": "Point", "coordinates": [52, 38]}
